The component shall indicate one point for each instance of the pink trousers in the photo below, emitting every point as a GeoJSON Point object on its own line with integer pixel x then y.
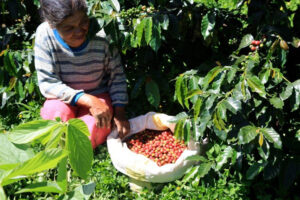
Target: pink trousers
{"type": "Point", "coordinates": [53, 108]}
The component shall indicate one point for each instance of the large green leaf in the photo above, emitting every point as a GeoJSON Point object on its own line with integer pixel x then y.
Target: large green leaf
{"type": "Point", "coordinates": [204, 168]}
{"type": "Point", "coordinates": [178, 92]}
{"type": "Point", "coordinates": [11, 153]}
{"type": "Point", "coordinates": [193, 85]}
{"type": "Point", "coordinates": [207, 24]}
{"type": "Point", "coordinates": [247, 134]}
{"type": "Point", "coordinates": [287, 92]}
{"type": "Point", "coordinates": [256, 85]}
{"type": "Point", "coordinates": [62, 174]}
{"type": "Point", "coordinates": [155, 41]}
{"type": "Point", "coordinates": [191, 173]}
{"type": "Point", "coordinates": [152, 93]}
{"type": "Point", "coordinates": [211, 75]}
{"type": "Point", "coordinates": [233, 105]}
{"type": "Point", "coordinates": [115, 4]}
{"type": "Point", "coordinates": [44, 160]}
{"type": "Point", "coordinates": [164, 21]}
{"type": "Point", "coordinates": [2, 193]}
{"type": "Point", "coordinates": [272, 136]}
{"type": "Point", "coordinates": [197, 107]}
{"type": "Point", "coordinates": [254, 170]}
{"type": "Point", "coordinates": [178, 132]}
{"type": "Point", "coordinates": [277, 102]}
{"type": "Point", "coordinates": [82, 192]}
{"type": "Point", "coordinates": [31, 131]}
{"type": "Point", "coordinates": [148, 29]}
{"type": "Point", "coordinates": [264, 75]}
{"type": "Point", "coordinates": [51, 187]}
{"type": "Point", "coordinates": [139, 30]}
{"type": "Point", "coordinates": [187, 131]}
{"type": "Point", "coordinates": [246, 41]}
{"type": "Point", "coordinates": [79, 147]}
{"type": "Point", "coordinates": [296, 101]}
{"type": "Point", "coordinates": [222, 159]}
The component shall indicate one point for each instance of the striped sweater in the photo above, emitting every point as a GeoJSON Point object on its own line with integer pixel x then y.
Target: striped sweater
{"type": "Point", "coordinates": [91, 68]}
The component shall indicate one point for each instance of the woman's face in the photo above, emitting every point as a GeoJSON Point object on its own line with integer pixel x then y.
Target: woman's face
{"type": "Point", "coordinates": [74, 29]}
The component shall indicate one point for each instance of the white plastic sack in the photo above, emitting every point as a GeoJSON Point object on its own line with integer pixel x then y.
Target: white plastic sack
{"type": "Point", "coordinates": [140, 167]}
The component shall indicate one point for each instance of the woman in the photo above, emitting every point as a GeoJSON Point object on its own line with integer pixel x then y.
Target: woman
{"type": "Point", "coordinates": [80, 77]}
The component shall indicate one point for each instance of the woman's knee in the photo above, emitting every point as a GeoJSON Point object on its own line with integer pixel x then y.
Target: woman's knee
{"type": "Point", "coordinates": [55, 108]}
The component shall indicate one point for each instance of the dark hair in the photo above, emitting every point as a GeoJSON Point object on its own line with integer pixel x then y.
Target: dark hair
{"type": "Point", "coordinates": [55, 11]}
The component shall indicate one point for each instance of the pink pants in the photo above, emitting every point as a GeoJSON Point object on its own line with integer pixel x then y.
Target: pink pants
{"type": "Point", "coordinates": [53, 108]}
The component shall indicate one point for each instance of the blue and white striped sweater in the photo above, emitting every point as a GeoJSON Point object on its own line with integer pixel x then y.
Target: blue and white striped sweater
{"type": "Point", "coordinates": [64, 72]}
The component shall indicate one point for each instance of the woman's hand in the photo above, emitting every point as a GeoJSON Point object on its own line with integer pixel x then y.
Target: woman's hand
{"type": "Point", "coordinates": [121, 122]}
{"type": "Point", "coordinates": [98, 109]}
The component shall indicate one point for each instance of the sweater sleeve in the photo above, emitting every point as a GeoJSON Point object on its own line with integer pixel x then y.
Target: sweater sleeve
{"type": "Point", "coordinates": [117, 79]}
{"type": "Point", "coordinates": [49, 81]}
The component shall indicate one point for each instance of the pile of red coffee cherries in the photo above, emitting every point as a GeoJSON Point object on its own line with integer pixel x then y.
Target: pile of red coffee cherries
{"type": "Point", "coordinates": [160, 146]}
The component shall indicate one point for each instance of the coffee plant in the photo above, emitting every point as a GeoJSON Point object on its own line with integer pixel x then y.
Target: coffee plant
{"type": "Point", "coordinates": [227, 69]}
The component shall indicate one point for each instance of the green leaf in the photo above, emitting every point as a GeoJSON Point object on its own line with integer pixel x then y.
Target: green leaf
{"type": "Point", "coordinates": [222, 159]}
{"type": "Point", "coordinates": [152, 93]}
{"type": "Point", "coordinates": [231, 74]}
{"type": "Point", "coordinates": [31, 131]}
{"type": "Point", "coordinates": [255, 169]}
{"type": "Point", "coordinates": [193, 93]}
{"type": "Point", "coordinates": [197, 158]}
{"type": "Point", "coordinates": [44, 160]}
{"type": "Point", "coordinates": [184, 88]}
{"type": "Point", "coordinates": [79, 147]}
{"type": "Point", "coordinates": [247, 134]}
{"type": "Point", "coordinates": [207, 24]}
{"type": "Point", "coordinates": [62, 174]}
{"type": "Point", "coordinates": [297, 135]}
{"type": "Point", "coordinates": [211, 75]}
{"type": "Point", "coordinates": [256, 85]}
{"type": "Point", "coordinates": [272, 136]}
{"type": "Point", "coordinates": [187, 131]}
{"type": "Point", "coordinates": [2, 193]}
{"type": "Point", "coordinates": [264, 151]}
{"type": "Point", "coordinates": [178, 132]}
{"type": "Point", "coordinates": [197, 107]}
{"type": "Point", "coordinates": [246, 41]}
{"type": "Point", "coordinates": [193, 85]}
{"type": "Point", "coordinates": [178, 93]}
{"type": "Point", "coordinates": [264, 75]}
{"type": "Point", "coordinates": [20, 90]}
{"type": "Point", "coordinates": [148, 29]}
{"type": "Point", "coordinates": [155, 41]}
{"type": "Point", "coordinates": [82, 192]}
{"type": "Point", "coordinates": [139, 31]}
{"type": "Point", "coordinates": [164, 21]}
{"type": "Point", "coordinates": [55, 137]}
{"type": "Point", "coordinates": [296, 102]}
{"type": "Point", "coordinates": [191, 173]}
{"type": "Point", "coordinates": [49, 187]}
{"type": "Point", "coordinates": [115, 4]}
{"type": "Point", "coordinates": [233, 105]}
{"type": "Point", "coordinates": [287, 92]}
{"type": "Point", "coordinates": [11, 153]}
{"type": "Point", "coordinates": [179, 116]}
{"type": "Point", "coordinates": [204, 168]}
{"type": "Point", "coordinates": [277, 102]}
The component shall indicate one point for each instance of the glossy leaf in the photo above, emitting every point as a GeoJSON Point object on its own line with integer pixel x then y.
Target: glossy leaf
{"type": "Point", "coordinates": [272, 136]}
{"type": "Point", "coordinates": [256, 85]}
{"type": "Point", "coordinates": [197, 107]}
{"type": "Point", "coordinates": [152, 93]}
{"type": "Point", "coordinates": [247, 134]}
{"type": "Point", "coordinates": [246, 41]}
{"type": "Point", "coordinates": [148, 29]}
{"type": "Point", "coordinates": [178, 132]}
{"type": "Point", "coordinates": [178, 92]}
{"type": "Point", "coordinates": [224, 156]}
{"type": "Point", "coordinates": [287, 92]}
{"type": "Point", "coordinates": [204, 168]}
{"type": "Point", "coordinates": [254, 170]}
{"type": "Point", "coordinates": [211, 75]}
{"type": "Point", "coordinates": [187, 131]}
{"type": "Point", "coordinates": [191, 173]}
{"type": "Point", "coordinates": [233, 105]}
{"type": "Point", "coordinates": [115, 4]}
{"type": "Point", "coordinates": [277, 102]}
{"type": "Point", "coordinates": [207, 24]}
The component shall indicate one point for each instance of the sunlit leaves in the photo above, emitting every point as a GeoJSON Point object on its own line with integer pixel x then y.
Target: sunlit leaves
{"type": "Point", "coordinates": [246, 41]}
{"type": "Point", "coordinates": [207, 24]}
{"type": "Point", "coordinates": [247, 134]}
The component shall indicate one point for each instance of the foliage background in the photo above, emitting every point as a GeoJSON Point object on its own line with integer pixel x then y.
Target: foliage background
{"type": "Point", "coordinates": [189, 58]}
